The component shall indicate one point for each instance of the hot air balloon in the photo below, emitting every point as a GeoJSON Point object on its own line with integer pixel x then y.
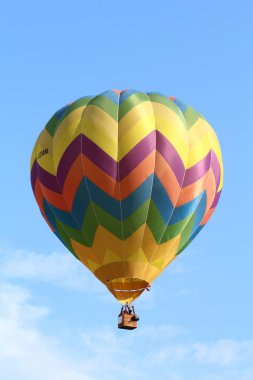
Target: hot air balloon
{"type": "Point", "coordinates": [126, 180]}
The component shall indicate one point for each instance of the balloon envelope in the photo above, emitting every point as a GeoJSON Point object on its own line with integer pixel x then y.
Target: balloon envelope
{"type": "Point", "coordinates": [126, 180]}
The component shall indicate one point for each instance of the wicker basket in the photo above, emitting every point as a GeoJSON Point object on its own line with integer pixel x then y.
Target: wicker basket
{"type": "Point", "coordinates": [125, 322]}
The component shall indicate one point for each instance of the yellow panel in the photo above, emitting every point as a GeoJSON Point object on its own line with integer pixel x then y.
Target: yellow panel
{"type": "Point", "coordinates": [72, 118]}
{"type": "Point", "coordinates": [135, 134]}
{"type": "Point", "coordinates": [198, 151]}
{"type": "Point", "coordinates": [168, 249]}
{"type": "Point", "coordinates": [159, 263]}
{"type": "Point", "coordinates": [102, 129]}
{"type": "Point", "coordinates": [61, 144]}
{"type": "Point", "coordinates": [150, 273]}
{"type": "Point", "coordinates": [134, 116]}
{"type": "Point", "coordinates": [106, 240]}
{"type": "Point", "coordinates": [133, 242]}
{"type": "Point", "coordinates": [171, 116]}
{"type": "Point", "coordinates": [178, 139]}
{"type": "Point", "coordinates": [92, 265]}
{"type": "Point", "coordinates": [44, 143]}
{"type": "Point", "coordinates": [173, 128]}
{"type": "Point", "coordinates": [198, 131]}
{"type": "Point", "coordinates": [84, 253]}
{"type": "Point", "coordinates": [110, 257]}
{"type": "Point", "coordinates": [148, 244]}
{"type": "Point", "coordinates": [138, 256]}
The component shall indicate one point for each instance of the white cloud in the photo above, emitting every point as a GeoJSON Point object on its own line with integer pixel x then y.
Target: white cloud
{"type": "Point", "coordinates": [224, 352]}
{"type": "Point", "coordinates": [227, 353]}
{"type": "Point", "coordinates": [29, 352]}
{"type": "Point", "coordinates": [60, 269]}
{"type": "Point", "coordinates": [25, 353]}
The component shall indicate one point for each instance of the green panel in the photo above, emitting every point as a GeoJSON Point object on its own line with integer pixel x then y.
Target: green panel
{"type": "Point", "coordinates": [175, 229]}
{"type": "Point", "coordinates": [131, 102]}
{"type": "Point", "coordinates": [51, 125]}
{"type": "Point", "coordinates": [72, 107]}
{"type": "Point", "coordinates": [65, 240]}
{"type": "Point", "coordinates": [155, 222]}
{"type": "Point", "coordinates": [136, 220]}
{"type": "Point", "coordinates": [187, 232]}
{"type": "Point", "coordinates": [183, 247]}
{"type": "Point", "coordinates": [90, 224]}
{"type": "Point", "coordinates": [157, 98]}
{"type": "Point", "coordinates": [106, 105]}
{"type": "Point", "coordinates": [191, 116]}
{"type": "Point", "coordinates": [72, 233]}
{"type": "Point", "coordinates": [54, 122]}
{"type": "Point", "coordinates": [126, 228]}
{"type": "Point", "coordinates": [108, 221]}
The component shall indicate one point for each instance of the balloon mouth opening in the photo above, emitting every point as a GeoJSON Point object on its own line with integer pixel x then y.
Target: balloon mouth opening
{"type": "Point", "coordinates": [126, 290]}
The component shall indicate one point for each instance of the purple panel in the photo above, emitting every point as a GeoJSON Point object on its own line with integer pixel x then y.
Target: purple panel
{"type": "Point", "coordinates": [216, 169]}
{"type": "Point", "coordinates": [136, 155]}
{"type": "Point", "coordinates": [68, 158]}
{"type": "Point", "coordinates": [169, 153]}
{"type": "Point", "coordinates": [99, 157]}
{"type": "Point", "coordinates": [198, 170]}
{"type": "Point", "coordinates": [216, 199]}
{"type": "Point", "coordinates": [47, 179]}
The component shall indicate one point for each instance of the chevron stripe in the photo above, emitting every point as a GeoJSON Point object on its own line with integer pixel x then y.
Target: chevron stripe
{"type": "Point", "coordinates": [127, 180]}
{"type": "Point", "coordinates": [197, 171]}
{"type": "Point", "coordinates": [102, 129]}
{"type": "Point", "coordinates": [108, 102]}
{"type": "Point", "coordinates": [168, 179]}
{"type": "Point", "coordinates": [129, 100]}
{"type": "Point", "coordinates": [166, 149]}
{"type": "Point", "coordinates": [47, 179]}
{"type": "Point", "coordinates": [106, 163]}
{"type": "Point", "coordinates": [203, 211]}
{"type": "Point", "coordinates": [216, 199]}
{"type": "Point", "coordinates": [122, 210]}
{"type": "Point", "coordinates": [189, 192]}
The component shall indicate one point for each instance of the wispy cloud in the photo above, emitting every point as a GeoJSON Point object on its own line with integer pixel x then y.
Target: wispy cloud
{"type": "Point", "coordinates": [27, 352]}
{"type": "Point", "coordinates": [30, 349]}
{"type": "Point", "coordinates": [60, 269]}
{"type": "Point", "coordinates": [225, 352]}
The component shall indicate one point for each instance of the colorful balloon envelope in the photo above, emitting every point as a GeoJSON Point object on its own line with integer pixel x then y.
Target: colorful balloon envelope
{"type": "Point", "coordinates": [126, 180]}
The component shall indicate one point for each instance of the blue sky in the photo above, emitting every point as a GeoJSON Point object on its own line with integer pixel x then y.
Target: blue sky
{"type": "Point", "coordinates": [56, 321]}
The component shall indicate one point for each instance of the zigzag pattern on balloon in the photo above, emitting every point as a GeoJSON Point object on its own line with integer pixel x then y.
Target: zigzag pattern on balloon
{"type": "Point", "coordinates": [127, 164]}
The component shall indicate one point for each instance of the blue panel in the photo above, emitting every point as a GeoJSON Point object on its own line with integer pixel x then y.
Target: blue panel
{"type": "Point", "coordinates": [80, 203]}
{"type": "Point", "coordinates": [196, 233]}
{"type": "Point", "coordinates": [185, 210]}
{"type": "Point", "coordinates": [61, 111]}
{"type": "Point", "coordinates": [63, 216]}
{"type": "Point", "coordinates": [113, 96]}
{"type": "Point", "coordinates": [200, 212]}
{"type": "Point", "coordinates": [161, 200]}
{"type": "Point", "coordinates": [49, 215]}
{"type": "Point", "coordinates": [126, 95]}
{"type": "Point", "coordinates": [181, 105]}
{"type": "Point", "coordinates": [130, 204]}
{"type": "Point", "coordinates": [121, 210]}
{"type": "Point", "coordinates": [103, 200]}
